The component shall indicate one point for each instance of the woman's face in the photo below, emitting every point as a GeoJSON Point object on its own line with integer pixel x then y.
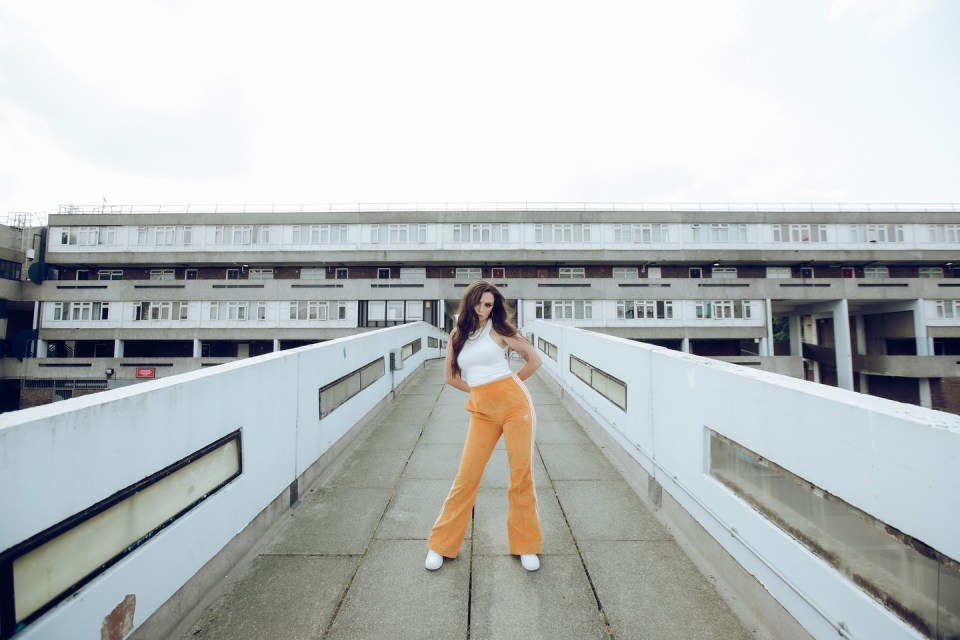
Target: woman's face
{"type": "Point", "coordinates": [485, 307]}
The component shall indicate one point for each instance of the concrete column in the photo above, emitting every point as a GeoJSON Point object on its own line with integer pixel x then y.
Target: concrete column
{"type": "Point", "coordinates": [197, 348]}
{"type": "Point", "coordinates": [118, 348]}
{"type": "Point", "coordinates": [861, 342]}
{"type": "Point", "coordinates": [685, 346]}
{"type": "Point", "coordinates": [39, 345]}
{"type": "Point", "coordinates": [276, 345]}
{"type": "Point", "coordinates": [766, 343]}
{"type": "Point", "coordinates": [243, 350]}
{"type": "Point", "coordinates": [924, 343]}
{"type": "Point", "coordinates": [861, 336]}
{"type": "Point", "coordinates": [926, 398]}
{"type": "Point", "coordinates": [841, 332]}
{"type": "Point", "coordinates": [796, 344]}
{"type": "Point", "coordinates": [924, 348]}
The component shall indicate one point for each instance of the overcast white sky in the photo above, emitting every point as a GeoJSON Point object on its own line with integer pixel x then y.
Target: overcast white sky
{"type": "Point", "coordinates": [202, 102]}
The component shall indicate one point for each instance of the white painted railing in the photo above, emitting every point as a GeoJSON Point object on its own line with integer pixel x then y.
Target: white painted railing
{"type": "Point", "coordinates": [59, 460]}
{"type": "Point", "coordinates": [897, 463]}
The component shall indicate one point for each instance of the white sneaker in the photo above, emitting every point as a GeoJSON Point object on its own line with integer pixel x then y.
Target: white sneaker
{"type": "Point", "coordinates": [434, 560]}
{"type": "Point", "coordinates": [530, 561]}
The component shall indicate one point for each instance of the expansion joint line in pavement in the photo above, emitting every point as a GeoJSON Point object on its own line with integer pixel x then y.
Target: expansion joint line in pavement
{"type": "Point", "coordinates": [583, 563]}
{"type": "Point", "coordinates": [393, 495]}
{"type": "Point", "coordinates": [343, 596]}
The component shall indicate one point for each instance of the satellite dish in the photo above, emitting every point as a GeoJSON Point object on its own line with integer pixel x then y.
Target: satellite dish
{"type": "Point", "coordinates": [39, 271]}
{"type": "Point", "coordinates": [35, 273]}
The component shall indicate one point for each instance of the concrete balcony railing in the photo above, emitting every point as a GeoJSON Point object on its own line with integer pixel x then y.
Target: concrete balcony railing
{"type": "Point", "coordinates": [811, 289]}
{"type": "Point", "coordinates": [908, 366]}
{"type": "Point", "coordinates": [782, 365]}
{"type": "Point", "coordinates": [883, 365]}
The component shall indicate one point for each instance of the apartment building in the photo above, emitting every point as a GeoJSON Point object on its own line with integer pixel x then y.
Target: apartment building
{"type": "Point", "coordinates": [865, 298]}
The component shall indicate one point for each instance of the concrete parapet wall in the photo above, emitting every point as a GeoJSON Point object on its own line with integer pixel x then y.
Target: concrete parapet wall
{"type": "Point", "coordinates": [58, 460]}
{"type": "Point", "coordinates": [896, 462]}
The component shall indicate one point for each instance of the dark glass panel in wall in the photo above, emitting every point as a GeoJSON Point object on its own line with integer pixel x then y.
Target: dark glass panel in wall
{"type": "Point", "coordinates": [158, 348]}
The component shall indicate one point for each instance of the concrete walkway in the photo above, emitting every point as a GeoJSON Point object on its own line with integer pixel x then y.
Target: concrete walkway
{"type": "Point", "coordinates": [348, 562]}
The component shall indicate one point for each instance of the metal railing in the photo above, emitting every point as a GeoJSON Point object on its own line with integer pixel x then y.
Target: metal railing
{"type": "Point", "coordinates": [23, 219]}
{"type": "Point", "coordinates": [510, 206]}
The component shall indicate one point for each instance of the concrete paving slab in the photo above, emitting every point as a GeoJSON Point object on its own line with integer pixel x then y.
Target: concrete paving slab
{"type": "Point", "coordinates": [490, 523]}
{"type": "Point", "coordinates": [414, 509]}
{"type": "Point", "coordinates": [444, 414]}
{"type": "Point", "coordinates": [449, 395]}
{"type": "Point", "coordinates": [561, 432]}
{"type": "Point", "coordinates": [386, 435]}
{"type": "Point", "coordinates": [653, 590]}
{"type": "Point", "coordinates": [534, 383]}
{"type": "Point", "coordinates": [328, 520]}
{"type": "Point", "coordinates": [600, 510]}
{"type": "Point", "coordinates": [542, 398]}
{"type": "Point", "coordinates": [293, 597]}
{"type": "Point", "coordinates": [397, 416]}
{"type": "Point", "coordinates": [420, 404]}
{"type": "Point", "coordinates": [577, 462]}
{"type": "Point", "coordinates": [371, 466]}
{"type": "Point", "coordinates": [424, 387]}
{"type": "Point", "coordinates": [554, 603]}
{"type": "Point", "coordinates": [440, 429]}
{"type": "Point", "coordinates": [552, 412]}
{"type": "Point", "coordinates": [393, 596]}
{"type": "Point", "coordinates": [439, 461]}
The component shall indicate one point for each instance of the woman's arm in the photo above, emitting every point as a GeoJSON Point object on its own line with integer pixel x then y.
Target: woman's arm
{"type": "Point", "coordinates": [454, 381]}
{"type": "Point", "coordinates": [529, 354]}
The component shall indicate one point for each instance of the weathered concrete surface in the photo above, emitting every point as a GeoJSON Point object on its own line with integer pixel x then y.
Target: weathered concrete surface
{"type": "Point", "coordinates": [348, 562]}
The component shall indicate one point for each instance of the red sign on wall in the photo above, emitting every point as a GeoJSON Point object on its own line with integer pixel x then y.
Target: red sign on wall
{"type": "Point", "coordinates": [146, 372]}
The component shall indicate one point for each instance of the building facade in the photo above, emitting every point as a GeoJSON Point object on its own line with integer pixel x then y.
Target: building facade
{"type": "Point", "coordinates": [865, 298]}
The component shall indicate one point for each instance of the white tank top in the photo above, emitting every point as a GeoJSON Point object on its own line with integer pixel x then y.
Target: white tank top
{"type": "Point", "coordinates": [482, 360]}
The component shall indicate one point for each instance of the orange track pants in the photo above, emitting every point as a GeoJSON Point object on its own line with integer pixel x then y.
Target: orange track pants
{"type": "Point", "coordinates": [502, 407]}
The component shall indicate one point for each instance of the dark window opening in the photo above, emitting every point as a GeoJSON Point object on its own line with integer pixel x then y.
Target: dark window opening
{"type": "Point", "coordinates": [158, 349]}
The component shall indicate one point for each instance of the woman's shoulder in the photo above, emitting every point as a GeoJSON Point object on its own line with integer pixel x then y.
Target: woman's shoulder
{"type": "Point", "coordinates": [500, 337]}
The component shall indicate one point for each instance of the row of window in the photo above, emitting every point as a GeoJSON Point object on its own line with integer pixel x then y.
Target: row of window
{"type": "Point", "coordinates": [230, 274]}
{"type": "Point", "coordinates": [10, 270]}
{"type": "Point", "coordinates": [948, 308]}
{"type": "Point", "coordinates": [239, 310]}
{"type": "Point", "coordinates": [409, 310]}
{"type": "Point", "coordinates": [642, 309]}
{"type": "Point", "coordinates": [503, 233]}
{"type": "Point", "coordinates": [476, 273]}
{"type": "Point", "coordinates": [217, 310]}
{"type": "Point", "coordinates": [664, 309]}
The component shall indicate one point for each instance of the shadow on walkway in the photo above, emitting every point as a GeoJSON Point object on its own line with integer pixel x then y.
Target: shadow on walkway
{"type": "Point", "coordinates": [348, 561]}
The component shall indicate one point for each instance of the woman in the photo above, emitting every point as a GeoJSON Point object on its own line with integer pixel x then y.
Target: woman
{"type": "Point", "coordinates": [499, 404]}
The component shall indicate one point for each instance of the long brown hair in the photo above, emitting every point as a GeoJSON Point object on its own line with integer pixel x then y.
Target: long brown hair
{"type": "Point", "coordinates": [467, 321]}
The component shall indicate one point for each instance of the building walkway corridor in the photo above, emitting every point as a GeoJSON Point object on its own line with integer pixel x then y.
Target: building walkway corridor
{"type": "Point", "coordinates": [347, 563]}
